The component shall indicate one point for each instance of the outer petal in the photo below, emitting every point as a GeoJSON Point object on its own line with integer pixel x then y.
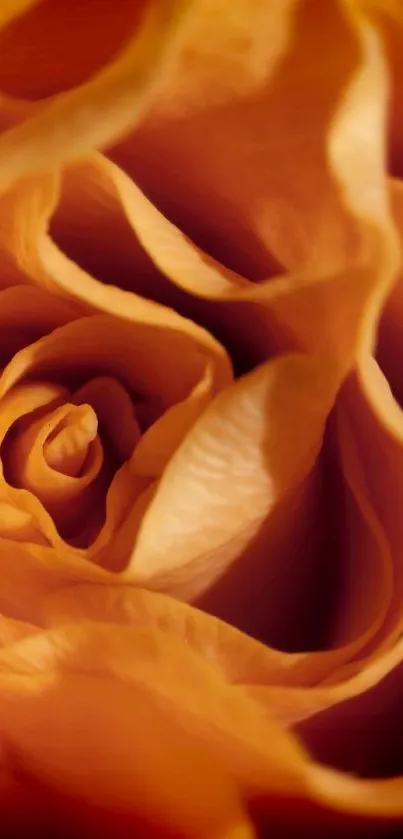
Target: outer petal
{"type": "Point", "coordinates": [362, 734]}
{"type": "Point", "coordinates": [104, 745]}
{"type": "Point", "coordinates": [164, 671]}
{"type": "Point", "coordinates": [233, 82]}
{"type": "Point", "coordinates": [314, 202]}
{"type": "Point", "coordinates": [290, 687]}
{"type": "Point", "coordinates": [281, 682]}
{"type": "Point", "coordinates": [131, 684]}
{"type": "Point", "coordinates": [372, 420]}
{"type": "Point", "coordinates": [56, 46]}
{"type": "Point", "coordinates": [387, 15]}
{"type": "Point", "coordinates": [101, 109]}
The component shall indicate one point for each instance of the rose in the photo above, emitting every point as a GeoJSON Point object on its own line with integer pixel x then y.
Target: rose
{"type": "Point", "coordinates": [34, 528]}
{"type": "Point", "coordinates": [50, 443]}
{"type": "Point", "coordinates": [332, 235]}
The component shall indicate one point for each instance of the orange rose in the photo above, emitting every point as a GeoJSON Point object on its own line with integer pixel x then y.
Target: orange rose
{"type": "Point", "coordinates": [201, 454]}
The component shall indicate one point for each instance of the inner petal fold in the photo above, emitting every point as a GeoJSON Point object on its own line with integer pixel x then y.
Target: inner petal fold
{"type": "Point", "coordinates": [58, 457]}
{"type": "Point", "coordinates": [115, 411]}
{"type": "Point", "coordinates": [18, 525]}
{"type": "Point", "coordinates": [67, 447]}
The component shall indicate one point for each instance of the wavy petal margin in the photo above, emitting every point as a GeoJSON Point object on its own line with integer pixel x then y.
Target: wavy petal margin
{"type": "Point", "coordinates": [103, 108]}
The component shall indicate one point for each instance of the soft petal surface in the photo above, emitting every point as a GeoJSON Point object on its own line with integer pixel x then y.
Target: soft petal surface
{"type": "Point", "coordinates": [201, 400]}
{"type": "Point", "coordinates": [101, 108]}
{"type": "Point", "coordinates": [301, 209]}
{"type": "Point", "coordinates": [236, 444]}
{"type": "Point", "coordinates": [124, 682]}
{"type": "Point", "coordinates": [53, 731]}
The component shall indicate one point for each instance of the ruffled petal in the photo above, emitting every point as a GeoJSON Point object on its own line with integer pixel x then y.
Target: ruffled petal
{"type": "Point", "coordinates": [161, 670]}
{"type": "Point", "coordinates": [134, 247]}
{"type": "Point", "coordinates": [101, 743]}
{"type": "Point", "coordinates": [34, 258]}
{"type": "Point", "coordinates": [101, 108]}
{"type": "Point", "coordinates": [387, 16]}
{"type": "Point", "coordinates": [62, 44]}
{"type": "Point", "coordinates": [303, 201]}
{"type": "Point", "coordinates": [125, 683]}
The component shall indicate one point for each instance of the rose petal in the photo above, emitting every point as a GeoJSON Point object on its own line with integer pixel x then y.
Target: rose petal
{"type": "Point", "coordinates": [241, 658]}
{"type": "Point", "coordinates": [227, 62]}
{"type": "Point", "coordinates": [316, 200]}
{"type": "Point", "coordinates": [19, 525]}
{"type": "Point", "coordinates": [101, 109]}
{"type": "Point", "coordinates": [323, 541]}
{"type": "Point", "coordinates": [13, 9]}
{"type": "Point", "coordinates": [289, 687]}
{"type": "Point", "coordinates": [48, 686]}
{"type": "Point", "coordinates": [59, 458]}
{"type": "Point", "coordinates": [110, 346]}
{"type": "Point", "coordinates": [389, 347]}
{"type": "Point", "coordinates": [166, 673]}
{"type": "Point", "coordinates": [115, 411]}
{"type": "Point", "coordinates": [27, 209]}
{"type": "Point", "coordinates": [27, 314]}
{"type": "Point", "coordinates": [139, 250]}
{"type": "Point", "coordinates": [373, 421]}
{"type": "Point", "coordinates": [362, 735]}
{"type": "Point", "coordinates": [388, 19]}
{"type": "Point", "coordinates": [127, 771]}
{"type": "Point", "coordinates": [237, 463]}
{"type": "Point", "coordinates": [12, 631]}
{"type": "Point", "coordinates": [232, 84]}
{"type": "Point", "coordinates": [79, 38]}
{"type": "Point", "coordinates": [104, 352]}
{"type": "Point", "coordinates": [164, 436]}
{"type": "Point", "coordinates": [30, 807]}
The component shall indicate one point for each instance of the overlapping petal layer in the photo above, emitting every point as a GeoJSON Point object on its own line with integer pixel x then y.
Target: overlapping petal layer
{"type": "Point", "coordinates": [60, 688]}
{"type": "Point", "coordinates": [252, 212]}
{"type": "Point", "coordinates": [104, 105]}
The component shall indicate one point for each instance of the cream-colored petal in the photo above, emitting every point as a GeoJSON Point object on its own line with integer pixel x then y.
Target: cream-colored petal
{"type": "Point", "coordinates": [257, 440]}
